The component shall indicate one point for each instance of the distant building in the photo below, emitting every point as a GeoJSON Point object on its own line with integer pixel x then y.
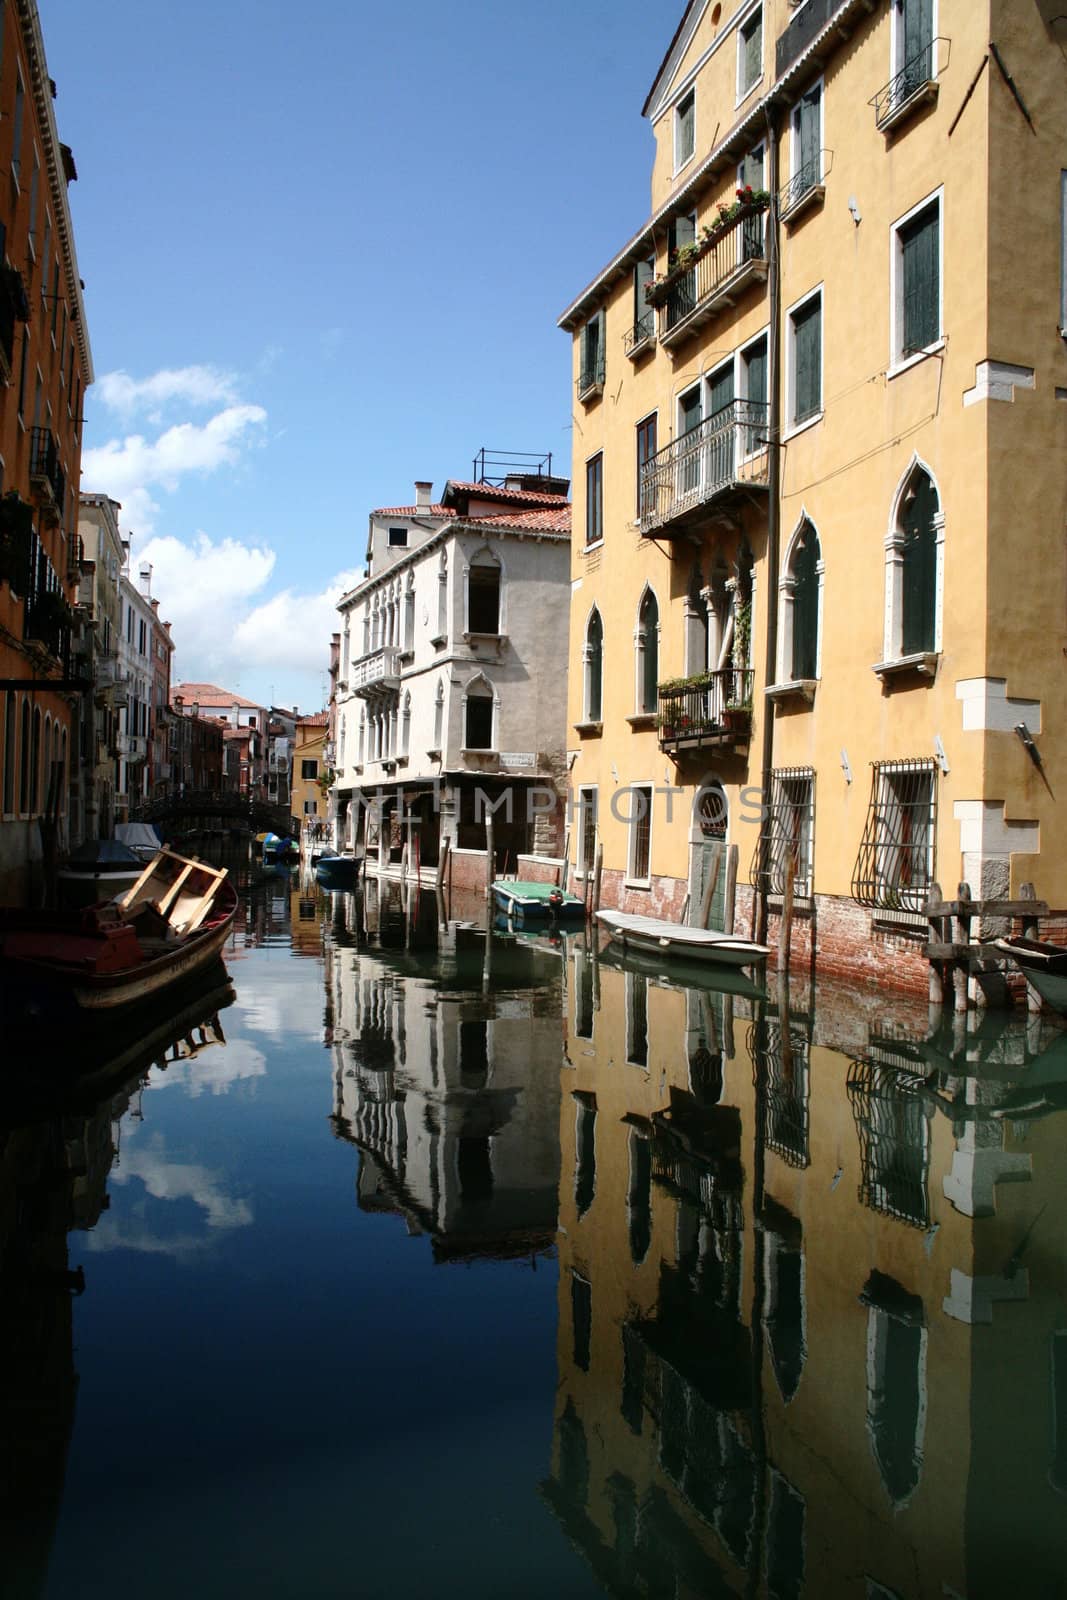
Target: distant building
{"type": "Point", "coordinates": [100, 605]}
{"type": "Point", "coordinates": [450, 689]}
{"type": "Point", "coordinates": [196, 752]}
{"type": "Point", "coordinates": [246, 758]}
{"type": "Point", "coordinates": [311, 774]}
{"type": "Point", "coordinates": [45, 366]}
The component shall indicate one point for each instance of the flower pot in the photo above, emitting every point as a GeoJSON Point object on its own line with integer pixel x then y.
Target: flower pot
{"type": "Point", "coordinates": [737, 719]}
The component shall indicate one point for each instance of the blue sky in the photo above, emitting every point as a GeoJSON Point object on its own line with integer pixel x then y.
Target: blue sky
{"type": "Point", "coordinates": [324, 248]}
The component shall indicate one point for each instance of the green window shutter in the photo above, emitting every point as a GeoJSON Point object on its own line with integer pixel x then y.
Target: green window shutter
{"type": "Point", "coordinates": [683, 230]}
{"type": "Point", "coordinates": [601, 345]}
{"type": "Point", "coordinates": [806, 606]}
{"type": "Point", "coordinates": [806, 132]}
{"type": "Point", "coordinates": [595, 644]}
{"type": "Point", "coordinates": [686, 129]}
{"type": "Point", "coordinates": [650, 661]}
{"type": "Point", "coordinates": [644, 315]}
{"type": "Point", "coordinates": [756, 373]}
{"type": "Point", "coordinates": [807, 360]}
{"type": "Point", "coordinates": [920, 281]}
{"type": "Point", "coordinates": [752, 43]}
{"type": "Point", "coordinates": [920, 570]}
{"type": "Point", "coordinates": [689, 411]}
{"type": "Point", "coordinates": [918, 35]}
{"type": "Point", "coordinates": [720, 390]}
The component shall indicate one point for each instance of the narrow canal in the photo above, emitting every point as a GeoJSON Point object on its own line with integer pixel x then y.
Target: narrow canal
{"type": "Point", "coordinates": [437, 1265]}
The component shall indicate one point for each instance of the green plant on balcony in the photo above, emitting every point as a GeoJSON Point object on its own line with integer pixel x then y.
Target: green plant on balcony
{"type": "Point", "coordinates": [749, 203]}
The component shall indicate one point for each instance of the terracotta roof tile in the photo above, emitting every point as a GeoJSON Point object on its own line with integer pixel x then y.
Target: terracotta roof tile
{"type": "Point", "coordinates": [488, 491]}
{"type": "Point", "coordinates": [209, 694]}
{"type": "Point", "coordinates": [549, 520]}
{"type": "Point", "coordinates": [319, 719]}
{"type": "Point", "coordinates": [411, 511]}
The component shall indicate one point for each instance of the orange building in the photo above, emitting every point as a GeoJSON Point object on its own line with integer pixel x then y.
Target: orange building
{"type": "Point", "coordinates": [45, 365]}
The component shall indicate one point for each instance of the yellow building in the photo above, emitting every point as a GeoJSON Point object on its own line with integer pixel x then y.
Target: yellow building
{"type": "Point", "coordinates": [818, 564]}
{"type": "Point", "coordinates": [309, 766]}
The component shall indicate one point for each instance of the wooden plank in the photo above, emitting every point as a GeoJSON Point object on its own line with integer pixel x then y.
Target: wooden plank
{"type": "Point", "coordinates": [988, 908]}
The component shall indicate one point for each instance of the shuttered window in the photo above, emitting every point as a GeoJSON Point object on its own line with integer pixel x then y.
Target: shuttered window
{"type": "Point", "coordinates": [754, 377]}
{"type": "Point", "coordinates": [806, 606]}
{"type": "Point", "coordinates": [684, 131]}
{"type": "Point", "coordinates": [920, 280]}
{"type": "Point", "coordinates": [806, 329]}
{"type": "Point", "coordinates": [919, 589]}
{"type": "Point", "coordinates": [592, 362]}
{"type": "Point", "coordinates": [646, 449]}
{"type": "Point", "coordinates": [644, 315]}
{"type": "Point", "coordinates": [807, 139]}
{"type": "Point", "coordinates": [594, 499]}
{"type": "Point", "coordinates": [750, 52]}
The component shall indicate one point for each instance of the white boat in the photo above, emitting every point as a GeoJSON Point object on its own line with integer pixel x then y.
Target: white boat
{"type": "Point", "coordinates": [674, 940]}
{"type": "Point", "coordinates": [1044, 965]}
{"type": "Point", "coordinates": [140, 837]}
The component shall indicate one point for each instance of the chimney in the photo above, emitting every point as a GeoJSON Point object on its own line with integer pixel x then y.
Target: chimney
{"type": "Point", "coordinates": [145, 578]}
{"type": "Point", "coordinates": [423, 497]}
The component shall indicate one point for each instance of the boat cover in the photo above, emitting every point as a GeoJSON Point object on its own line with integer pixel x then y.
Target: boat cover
{"type": "Point", "coordinates": [138, 835]}
{"type": "Point", "coordinates": [96, 853]}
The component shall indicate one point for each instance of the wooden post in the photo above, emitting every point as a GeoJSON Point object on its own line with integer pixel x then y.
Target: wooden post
{"type": "Point", "coordinates": [937, 936]}
{"type": "Point", "coordinates": [961, 936]}
{"type": "Point", "coordinates": [1030, 930]}
{"type": "Point", "coordinates": [785, 925]}
{"type": "Point", "coordinates": [490, 860]}
{"type": "Point", "coordinates": [442, 862]}
{"type": "Point", "coordinates": [597, 870]}
{"type": "Point", "coordinates": [565, 864]}
{"type": "Point", "coordinates": [732, 855]}
{"type": "Point", "coordinates": [710, 886]}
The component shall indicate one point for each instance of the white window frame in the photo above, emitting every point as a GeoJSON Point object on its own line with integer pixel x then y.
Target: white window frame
{"type": "Point", "coordinates": [588, 796]}
{"type": "Point", "coordinates": [631, 880]}
{"type": "Point", "coordinates": [884, 847]}
{"type": "Point", "coordinates": [793, 427]}
{"type": "Point", "coordinates": [896, 39]}
{"type": "Point", "coordinates": [494, 729]}
{"type": "Point", "coordinates": [640, 646]}
{"type": "Point", "coordinates": [1063, 254]}
{"type": "Point", "coordinates": [743, 92]}
{"type": "Point", "coordinates": [587, 655]}
{"type": "Point", "coordinates": [741, 379]}
{"type": "Point", "coordinates": [485, 557]}
{"type": "Point", "coordinates": [898, 362]}
{"type": "Point", "coordinates": [893, 634]}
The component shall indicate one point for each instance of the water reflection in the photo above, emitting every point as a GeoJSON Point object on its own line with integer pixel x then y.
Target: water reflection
{"type": "Point", "coordinates": [446, 1075]}
{"type": "Point", "coordinates": [813, 1295]}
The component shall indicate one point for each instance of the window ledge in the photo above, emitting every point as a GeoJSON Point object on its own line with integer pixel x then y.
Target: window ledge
{"type": "Point", "coordinates": [474, 637]}
{"type": "Point", "coordinates": [905, 363]}
{"type": "Point", "coordinates": [801, 427]}
{"type": "Point", "coordinates": [923, 663]}
{"type": "Point", "coordinates": [597, 544]}
{"type": "Point", "coordinates": [439, 638]}
{"type": "Point", "coordinates": [642, 719]}
{"type": "Point", "coordinates": [803, 203]}
{"type": "Point", "coordinates": [592, 391]}
{"type": "Point", "coordinates": [433, 755]}
{"type": "Point", "coordinates": [793, 689]}
{"type": "Point", "coordinates": [924, 94]}
{"type": "Point", "coordinates": [405, 655]}
{"type": "Point", "coordinates": [637, 883]}
{"type": "Point", "coordinates": [588, 730]}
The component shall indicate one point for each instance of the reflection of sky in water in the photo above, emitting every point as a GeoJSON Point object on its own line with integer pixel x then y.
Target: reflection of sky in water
{"type": "Point", "coordinates": [213, 1069]}
{"type": "Point", "coordinates": [279, 1003]}
{"type": "Point", "coordinates": [174, 1208]}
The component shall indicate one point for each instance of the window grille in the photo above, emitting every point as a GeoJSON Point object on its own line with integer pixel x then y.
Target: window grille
{"type": "Point", "coordinates": [788, 1089]}
{"type": "Point", "coordinates": [788, 831]}
{"type": "Point", "coordinates": [895, 865]}
{"type": "Point", "coordinates": [893, 1127]}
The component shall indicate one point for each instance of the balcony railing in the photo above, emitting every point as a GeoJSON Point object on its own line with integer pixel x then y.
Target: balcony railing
{"type": "Point", "coordinates": [714, 708]}
{"type": "Point", "coordinates": [641, 336]}
{"type": "Point", "coordinates": [590, 380]}
{"type": "Point", "coordinates": [375, 673]}
{"type": "Point", "coordinates": [46, 474]}
{"type": "Point", "coordinates": [912, 86]}
{"type": "Point", "coordinates": [724, 452]}
{"type": "Point", "coordinates": [738, 258]}
{"type": "Point", "coordinates": [805, 186]}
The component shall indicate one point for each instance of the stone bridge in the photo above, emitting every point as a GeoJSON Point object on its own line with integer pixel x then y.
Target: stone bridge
{"type": "Point", "coordinates": [225, 808]}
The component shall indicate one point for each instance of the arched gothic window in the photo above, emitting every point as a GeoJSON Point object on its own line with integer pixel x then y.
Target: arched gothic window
{"type": "Point", "coordinates": [484, 594]}
{"type": "Point", "coordinates": [914, 569]}
{"type": "Point", "coordinates": [593, 709]}
{"type": "Point", "coordinates": [478, 715]}
{"type": "Point", "coordinates": [800, 615]}
{"type": "Point", "coordinates": [647, 650]}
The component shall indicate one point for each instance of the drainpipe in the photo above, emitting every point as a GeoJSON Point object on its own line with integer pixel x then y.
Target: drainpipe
{"type": "Point", "coordinates": [774, 512]}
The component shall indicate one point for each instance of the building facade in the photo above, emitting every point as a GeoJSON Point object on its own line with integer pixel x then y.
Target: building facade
{"type": "Point", "coordinates": [136, 667]}
{"type": "Point", "coordinates": [311, 774]}
{"type": "Point", "coordinates": [246, 751]}
{"type": "Point", "coordinates": [448, 694]}
{"type": "Point", "coordinates": [100, 603]}
{"type": "Point", "coordinates": [45, 366]}
{"type": "Point", "coordinates": [819, 477]}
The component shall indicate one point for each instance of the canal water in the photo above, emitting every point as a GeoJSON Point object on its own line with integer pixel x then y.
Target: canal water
{"type": "Point", "coordinates": [411, 1261]}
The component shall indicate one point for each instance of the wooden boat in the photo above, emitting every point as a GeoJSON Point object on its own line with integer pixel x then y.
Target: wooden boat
{"type": "Point", "coordinates": [675, 941]}
{"type": "Point", "coordinates": [682, 972]}
{"type": "Point", "coordinates": [1043, 965]}
{"type": "Point", "coordinates": [174, 920]}
{"type": "Point", "coordinates": [528, 902]}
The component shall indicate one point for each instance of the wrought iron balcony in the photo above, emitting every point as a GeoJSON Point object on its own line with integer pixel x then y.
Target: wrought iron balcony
{"type": "Point", "coordinates": [915, 85]}
{"type": "Point", "coordinates": [806, 187]}
{"type": "Point", "coordinates": [376, 673]}
{"type": "Point", "coordinates": [714, 708]}
{"type": "Point", "coordinates": [642, 336]}
{"type": "Point", "coordinates": [737, 259]}
{"type": "Point", "coordinates": [46, 474]}
{"type": "Point", "coordinates": [590, 381]}
{"type": "Point", "coordinates": [727, 452]}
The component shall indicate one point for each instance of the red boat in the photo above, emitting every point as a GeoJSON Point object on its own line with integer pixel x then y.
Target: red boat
{"type": "Point", "coordinates": [173, 921]}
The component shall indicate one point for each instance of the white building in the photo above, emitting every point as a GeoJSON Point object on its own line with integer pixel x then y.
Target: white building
{"type": "Point", "coordinates": [451, 689]}
{"type": "Point", "coordinates": [135, 667]}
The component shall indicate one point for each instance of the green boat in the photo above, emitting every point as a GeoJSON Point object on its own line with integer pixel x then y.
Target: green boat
{"type": "Point", "coordinates": [530, 902]}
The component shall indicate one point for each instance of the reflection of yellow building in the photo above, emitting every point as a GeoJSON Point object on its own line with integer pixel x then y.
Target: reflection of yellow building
{"type": "Point", "coordinates": [310, 777]}
{"type": "Point", "coordinates": [818, 482]}
{"type": "Point", "coordinates": [813, 1304]}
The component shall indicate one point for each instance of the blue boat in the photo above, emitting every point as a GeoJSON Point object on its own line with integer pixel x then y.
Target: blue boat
{"type": "Point", "coordinates": [336, 872]}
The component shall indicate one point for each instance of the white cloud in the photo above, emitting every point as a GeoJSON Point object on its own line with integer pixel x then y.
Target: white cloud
{"type": "Point", "coordinates": [292, 630]}
{"type": "Point", "coordinates": [204, 590]}
{"type": "Point", "coordinates": [129, 469]}
{"type": "Point", "coordinates": [195, 385]}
